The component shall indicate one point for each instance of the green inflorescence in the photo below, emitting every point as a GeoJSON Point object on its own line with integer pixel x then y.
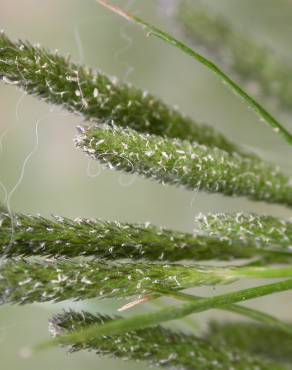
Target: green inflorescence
{"type": "Point", "coordinates": [95, 96]}
{"type": "Point", "coordinates": [59, 259]}
{"type": "Point", "coordinates": [156, 346]}
{"type": "Point", "coordinates": [177, 162]}
{"type": "Point", "coordinates": [261, 231]}
{"type": "Point", "coordinates": [26, 235]}
{"type": "Point", "coordinates": [23, 281]}
{"type": "Point", "coordinates": [26, 281]}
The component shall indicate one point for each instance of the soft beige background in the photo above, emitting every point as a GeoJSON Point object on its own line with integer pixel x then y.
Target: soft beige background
{"type": "Point", "coordinates": [57, 180]}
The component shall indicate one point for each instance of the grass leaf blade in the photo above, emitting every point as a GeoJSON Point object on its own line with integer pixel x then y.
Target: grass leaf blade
{"type": "Point", "coordinates": [236, 89]}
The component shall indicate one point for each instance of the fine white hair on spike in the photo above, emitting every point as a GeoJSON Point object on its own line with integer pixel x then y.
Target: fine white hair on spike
{"type": "Point", "coordinates": [80, 129]}
{"type": "Point", "coordinates": [8, 81]}
{"type": "Point", "coordinates": [79, 92]}
{"type": "Point", "coordinates": [102, 155]}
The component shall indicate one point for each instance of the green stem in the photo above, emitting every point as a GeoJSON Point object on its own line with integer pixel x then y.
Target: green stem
{"type": "Point", "coordinates": [241, 310]}
{"type": "Point", "coordinates": [258, 272]}
{"type": "Point", "coordinates": [171, 313]}
{"type": "Point", "coordinates": [250, 313]}
{"type": "Point", "coordinates": [263, 114]}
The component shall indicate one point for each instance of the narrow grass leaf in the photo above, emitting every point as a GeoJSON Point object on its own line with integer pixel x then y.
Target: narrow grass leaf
{"type": "Point", "coordinates": [236, 89]}
{"type": "Point", "coordinates": [250, 313]}
{"type": "Point", "coordinates": [257, 67]}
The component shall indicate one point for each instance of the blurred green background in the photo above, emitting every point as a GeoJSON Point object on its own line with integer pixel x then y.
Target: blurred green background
{"type": "Point", "coordinates": [59, 179]}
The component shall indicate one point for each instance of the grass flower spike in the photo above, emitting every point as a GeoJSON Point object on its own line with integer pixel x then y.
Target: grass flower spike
{"type": "Point", "coordinates": [130, 130]}
{"type": "Point", "coordinates": [196, 167]}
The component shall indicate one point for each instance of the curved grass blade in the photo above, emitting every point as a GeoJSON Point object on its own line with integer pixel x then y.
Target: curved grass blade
{"type": "Point", "coordinates": [258, 68]}
{"type": "Point", "coordinates": [236, 89]}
